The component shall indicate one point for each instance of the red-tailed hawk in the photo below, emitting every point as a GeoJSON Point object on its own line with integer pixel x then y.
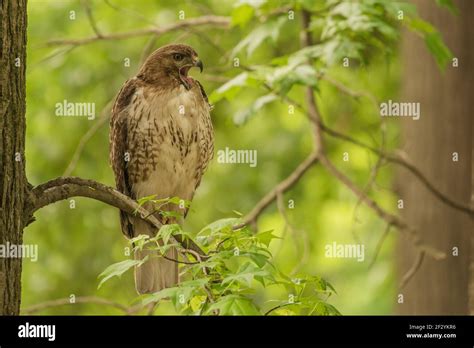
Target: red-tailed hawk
{"type": "Point", "coordinates": [161, 141]}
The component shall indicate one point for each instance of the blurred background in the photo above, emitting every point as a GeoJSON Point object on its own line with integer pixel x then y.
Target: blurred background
{"type": "Point", "coordinates": [78, 240]}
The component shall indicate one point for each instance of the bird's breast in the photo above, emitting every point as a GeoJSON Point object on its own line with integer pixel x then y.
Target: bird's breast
{"type": "Point", "coordinates": [165, 136]}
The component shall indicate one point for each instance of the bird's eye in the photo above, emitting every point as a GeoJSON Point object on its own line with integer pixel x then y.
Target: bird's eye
{"type": "Point", "coordinates": [178, 56]}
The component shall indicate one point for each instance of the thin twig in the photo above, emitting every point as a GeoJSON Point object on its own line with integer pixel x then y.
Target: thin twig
{"type": "Point", "coordinates": [283, 186]}
{"type": "Point", "coordinates": [199, 21]}
{"type": "Point", "coordinates": [412, 271]}
{"type": "Point", "coordinates": [280, 306]}
{"type": "Point", "coordinates": [315, 118]}
{"type": "Point", "coordinates": [86, 137]}
{"type": "Point", "coordinates": [179, 261]}
{"type": "Point", "coordinates": [379, 245]}
{"type": "Point", "coordinates": [350, 92]}
{"type": "Point", "coordinates": [301, 256]}
{"type": "Point", "coordinates": [129, 12]}
{"type": "Point", "coordinates": [151, 309]}
{"type": "Point", "coordinates": [402, 162]}
{"type": "Point", "coordinates": [90, 18]}
{"type": "Point", "coordinates": [208, 291]}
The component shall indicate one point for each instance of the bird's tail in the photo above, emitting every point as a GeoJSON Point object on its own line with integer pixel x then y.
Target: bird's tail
{"type": "Point", "coordinates": [157, 272]}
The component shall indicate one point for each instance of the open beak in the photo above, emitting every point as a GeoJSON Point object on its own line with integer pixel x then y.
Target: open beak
{"type": "Point", "coordinates": [198, 63]}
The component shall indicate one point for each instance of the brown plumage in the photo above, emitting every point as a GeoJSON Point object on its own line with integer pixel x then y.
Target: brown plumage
{"type": "Point", "coordinates": [161, 141]}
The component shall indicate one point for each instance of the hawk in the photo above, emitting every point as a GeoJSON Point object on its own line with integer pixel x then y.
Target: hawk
{"type": "Point", "coordinates": [161, 142]}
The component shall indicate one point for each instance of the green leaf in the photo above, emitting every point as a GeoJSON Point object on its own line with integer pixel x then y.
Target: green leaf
{"type": "Point", "coordinates": [234, 305]}
{"type": "Point", "coordinates": [195, 283]}
{"type": "Point", "coordinates": [324, 308]}
{"type": "Point", "coordinates": [283, 312]}
{"type": "Point", "coordinates": [179, 295]}
{"type": "Point", "coordinates": [449, 5]}
{"type": "Point", "coordinates": [243, 115]}
{"type": "Point", "coordinates": [284, 77]}
{"type": "Point", "coordinates": [157, 296]}
{"type": "Point", "coordinates": [245, 274]}
{"type": "Point", "coordinates": [241, 15]}
{"type": "Point", "coordinates": [336, 49]}
{"type": "Point", "coordinates": [173, 214]}
{"type": "Point", "coordinates": [119, 268]}
{"type": "Point", "coordinates": [229, 89]}
{"type": "Point", "coordinates": [197, 302]}
{"type": "Point", "coordinates": [140, 241]}
{"type": "Point", "coordinates": [145, 199]}
{"type": "Point", "coordinates": [421, 26]}
{"type": "Point", "coordinates": [166, 231]}
{"type": "Point", "coordinates": [254, 3]}
{"type": "Point", "coordinates": [163, 249]}
{"type": "Point", "coordinates": [259, 259]}
{"type": "Point", "coordinates": [433, 40]}
{"type": "Point", "coordinates": [266, 237]}
{"type": "Point", "coordinates": [268, 30]}
{"type": "Point", "coordinates": [440, 51]}
{"type": "Point", "coordinates": [219, 225]}
{"type": "Point", "coordinates": [179, 201]}
{"type": "Point", "coordinates": [311, 5]}
{"type": "Point", "coordinates": [321, 283]}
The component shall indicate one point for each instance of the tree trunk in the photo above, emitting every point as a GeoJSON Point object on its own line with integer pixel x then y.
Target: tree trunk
{"type": "Point", "coordinates": [12, 148]}
{"type": "Point", "coordinates": [444, 129]}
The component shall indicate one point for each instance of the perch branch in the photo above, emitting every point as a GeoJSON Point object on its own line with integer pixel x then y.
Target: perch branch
{"type": "Point", "coordinates": [66, 187]}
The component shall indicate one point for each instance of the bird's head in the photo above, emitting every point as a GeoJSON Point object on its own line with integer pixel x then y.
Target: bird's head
{"type": "Point", "coordinates": [172, 60]}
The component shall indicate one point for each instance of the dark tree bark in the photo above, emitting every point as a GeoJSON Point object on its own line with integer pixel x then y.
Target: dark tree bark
{"type": "Point", "coordinates": [12, 147]}
{"type": "Point", "coordinates": [445, 128]}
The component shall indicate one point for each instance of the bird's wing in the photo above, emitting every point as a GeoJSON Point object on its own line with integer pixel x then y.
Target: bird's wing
{"type": "Point", "coordinates": [118, 146]}
{"type": "Point", "coordinates": [203, 92]}
{"type": "Point", "coordinates": [206, 140]}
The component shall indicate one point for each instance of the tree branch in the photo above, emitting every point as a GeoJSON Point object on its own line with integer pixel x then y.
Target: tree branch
{"type": "Point", "coordinates": [321, 128]}
{"type": "Point", "coordinates": [90, 18]}
{"type": "Point", "coordinates": [199, 21]}
{"type": "Point", "coordinates": [283, 186]}
{"type": "Point", "coordinates": [350, 92]}
{"type": "Point", "coordinates": [66, 301]}
{"type": "Point", "coordinates": [410, 167]}
{"type": "Point", "coordinates": [379, 245]}
{"type": "Point", "coordinates": [66, 187]}
{"type": "Point", "coordinates": [315, 118]}
{"type": "Point", "coordinates": [412, 271]}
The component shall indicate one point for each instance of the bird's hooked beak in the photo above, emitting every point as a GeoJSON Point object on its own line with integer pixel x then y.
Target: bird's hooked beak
{"type": "Point", "coordinates": [198, 63]}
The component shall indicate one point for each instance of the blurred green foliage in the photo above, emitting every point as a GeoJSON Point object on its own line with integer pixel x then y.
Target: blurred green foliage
{"type": "Point", "coordinates": [77, 241]}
